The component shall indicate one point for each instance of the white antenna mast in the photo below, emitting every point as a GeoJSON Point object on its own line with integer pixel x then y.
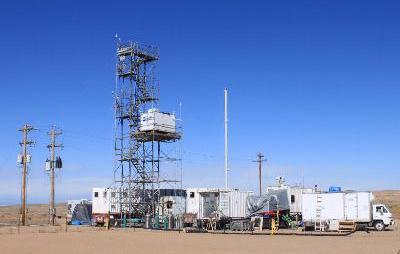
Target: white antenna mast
{"type": "Point", "coordinates": [226, 137]}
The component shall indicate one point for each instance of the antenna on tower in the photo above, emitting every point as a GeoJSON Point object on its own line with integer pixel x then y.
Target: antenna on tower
{"type": "Point", "coordinates": [117, 38]}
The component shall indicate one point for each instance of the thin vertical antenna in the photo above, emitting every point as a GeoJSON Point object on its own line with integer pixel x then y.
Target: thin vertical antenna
{"type": "Point", "coordinates": [180, 111]}
{"type": "Point", "coordinates": [180, 145]}
{"type": "Point", "coordinates": [226, 137]}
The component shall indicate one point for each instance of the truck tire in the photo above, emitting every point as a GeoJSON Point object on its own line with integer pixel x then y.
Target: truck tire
{"type": "Point", "coordinates": [379, 226]}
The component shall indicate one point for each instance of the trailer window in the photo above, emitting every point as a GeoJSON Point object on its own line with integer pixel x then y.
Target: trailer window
{"type": "Point", "coordinates": [191, 194]}
{"type": "Point", "coordinates": [384, 209]}
{"type": "Point", "coordinates": [96, 194]}
{"type": "Point", "coordinates": [292, 199]}
{"type": "Point", "coordinates": [169, 204]}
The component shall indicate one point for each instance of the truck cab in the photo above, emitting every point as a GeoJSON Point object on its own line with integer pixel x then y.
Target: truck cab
{"type": "Point", "coordinates": [382, 217]}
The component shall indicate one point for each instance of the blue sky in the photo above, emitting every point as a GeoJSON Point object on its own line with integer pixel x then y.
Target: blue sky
{"type": "Point", "coordinates": [314, 85]}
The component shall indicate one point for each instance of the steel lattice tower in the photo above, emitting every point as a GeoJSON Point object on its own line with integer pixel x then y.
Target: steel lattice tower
{"type": "Point", "coordinates": [137, 154]}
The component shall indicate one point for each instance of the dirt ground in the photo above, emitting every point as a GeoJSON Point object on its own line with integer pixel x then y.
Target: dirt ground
{"type": "Point", "coordinates": [142, 241]}
{"type": "Point", "coordinates": [37, 214]}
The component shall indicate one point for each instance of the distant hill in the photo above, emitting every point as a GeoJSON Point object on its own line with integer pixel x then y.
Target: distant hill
{"type": "Point", "coordinates": [391, 198]}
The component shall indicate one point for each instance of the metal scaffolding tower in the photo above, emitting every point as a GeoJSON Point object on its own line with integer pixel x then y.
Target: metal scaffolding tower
{"type": "Point", "coordinates": [138, 154]}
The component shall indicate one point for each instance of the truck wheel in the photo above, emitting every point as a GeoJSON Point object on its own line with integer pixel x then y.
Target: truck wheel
{"type": "Point", "coordinates": [379, 226]}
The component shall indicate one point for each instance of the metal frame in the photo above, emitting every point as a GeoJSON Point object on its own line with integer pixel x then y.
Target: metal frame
{"type": "Point", "coordinates": [138, 155]}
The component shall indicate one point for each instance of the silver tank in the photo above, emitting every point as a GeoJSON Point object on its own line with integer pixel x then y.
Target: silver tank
{"type": "Point", "coordinates": [147, 221]}
{"type": "Point", "coordinates": [170, 221]}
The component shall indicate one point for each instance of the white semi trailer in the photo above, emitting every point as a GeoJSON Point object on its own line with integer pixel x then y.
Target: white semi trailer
{"type": "Point", "coordinates": [323, 209]}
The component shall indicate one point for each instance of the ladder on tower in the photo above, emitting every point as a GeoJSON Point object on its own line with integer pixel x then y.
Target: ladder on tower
{"type": "Point", "coordinates": [318, 224]}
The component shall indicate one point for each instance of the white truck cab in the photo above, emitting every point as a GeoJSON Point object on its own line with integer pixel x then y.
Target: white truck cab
{"type": "Point", "coordinates": [382, 217]}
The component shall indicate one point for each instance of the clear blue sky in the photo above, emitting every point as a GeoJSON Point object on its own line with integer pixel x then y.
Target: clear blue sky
{"type": "Point", "coordinates": [314, 85]}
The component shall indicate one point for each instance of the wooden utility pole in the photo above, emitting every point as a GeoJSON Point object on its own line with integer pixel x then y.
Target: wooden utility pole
{"type": "Point", "coordinates": [260, 160]}
{"type": "Point", "coordinates": [25, 159]}
{"type": "Point", "coordinates": [53, 134]}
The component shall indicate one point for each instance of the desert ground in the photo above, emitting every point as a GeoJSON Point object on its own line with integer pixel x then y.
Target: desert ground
{"type": "Point", "coordinates": [142, 241]}
{"type": "Point", "coordinates": [37, 214]}
{"type": "Point", "coordinates": [46, 239]}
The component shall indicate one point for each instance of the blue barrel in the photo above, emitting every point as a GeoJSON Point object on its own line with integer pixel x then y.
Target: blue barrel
{"type": "Point", "coordinates": [335, 189]}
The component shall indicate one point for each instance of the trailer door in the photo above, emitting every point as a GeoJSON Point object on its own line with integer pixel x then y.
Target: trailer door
{"type": "Point", "coordinates": [351, 206]}
{"type": "Point", "coordinates": [358, 206]}
{"type": "Point", "coordinates": [224, 204]}
{"type": "Point", "coordinates": [364, 213]}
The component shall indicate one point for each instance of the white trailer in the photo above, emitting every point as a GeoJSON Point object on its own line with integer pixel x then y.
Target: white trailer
{"type": "Point", "coordinates": [333, 208]}
{"type": "Point", "coordinates": [322, 206]}
{"type": "Point", "coordinates": [101, 205]}
{"type": "Point", "coordinates": [226, 203]}
{"type": "Point", "coordinates": [172, 201]}
{"type": "Point", "coordinates": [107, 204]}
{"type": "Point", "coordinates": [295, 194]}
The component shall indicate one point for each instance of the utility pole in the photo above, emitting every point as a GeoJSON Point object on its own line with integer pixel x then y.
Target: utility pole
{"type": "Point", "coordinates": [53, 134]}
{"type": "Point", "coordinates": [25, 159]}
{"type": "Point", "coordinates": [260, 160]}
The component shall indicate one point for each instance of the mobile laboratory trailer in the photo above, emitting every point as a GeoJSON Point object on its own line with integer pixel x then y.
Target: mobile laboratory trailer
{"type": "Point", "coordinates": [225, 202]}
{"type": "Point", "coordinates": [101, 205]}
{"type": "Point", "coordinates": [295, 194]}
{"type": "Point", "coordinates": [331, 208]}
{"type": "Point", "coordinates": [106, 203]}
